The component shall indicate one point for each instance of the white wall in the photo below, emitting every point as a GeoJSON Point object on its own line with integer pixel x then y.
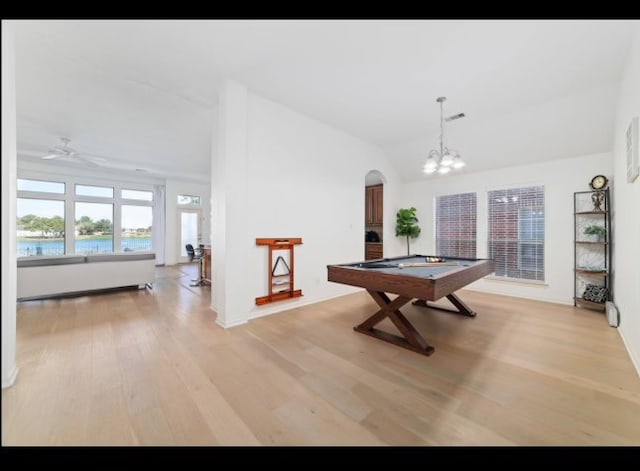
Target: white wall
{"type": "Point", "coordinates": [626, 215]}
{"type": "Point", "coordinates": [306, 179]}
{"type": "Point", "coordinates": [9, 268]}
{"type": "Point", "coordinates": [560, 179]}
{"type": "Point", "coordinates": [173, 189]}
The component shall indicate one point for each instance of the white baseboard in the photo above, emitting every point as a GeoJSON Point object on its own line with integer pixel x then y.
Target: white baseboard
{"type": "Point", "coordinates": [227, 325]}
{"type": "Point", "coordinates": [565, 302]}
{"type": "Point", "coordinates": [635, 359]}
{"type": "Point", "coordinates": [9, 380]}
{"type": "Point", "coordinates": [294, 304]}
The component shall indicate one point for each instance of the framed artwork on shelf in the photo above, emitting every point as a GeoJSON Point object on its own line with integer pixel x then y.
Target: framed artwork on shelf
{"type": "Point", "coordinates": [633, 164]}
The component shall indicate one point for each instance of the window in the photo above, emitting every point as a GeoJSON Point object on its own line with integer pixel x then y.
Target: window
{"type": "Point", "coordinates": [40, 186]}
{"type": "Point", "coordinates": [531, 238]}
{"type": "Point", "coordinates": [516, 232]}
{"type": "Point", "coordinates": [188, 200]}
{"type": "Point", "coordinates": [100, 191]}
{"type": "Point", "coordinates": [137, 195]}
{"type": "Point", "coordinates": [94, 228]}
{"type": "Point", "coordinates": [136, 227]}
{"type": "Point", "coordinates": [40, 227]}
{"type": "Point", "coordinates": [456, 225]}
{"type": "Point", "coordinates": [53, 221]}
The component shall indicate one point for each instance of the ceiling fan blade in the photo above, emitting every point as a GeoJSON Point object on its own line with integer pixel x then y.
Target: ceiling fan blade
{"type": "Point", "coordinates": [67, 158]}
{"type": "Point", "coordinates": [92, 158]}
{"type": "Point", "coordinates": [68, 154]}
{"type": "Point", "coordinates": [457, 116]}
{"type": "Point", "coordinates": [119, 165]}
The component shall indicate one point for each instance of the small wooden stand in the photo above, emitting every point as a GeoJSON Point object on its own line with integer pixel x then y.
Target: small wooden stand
{"type": "Point", "coordinates": [281, 285]}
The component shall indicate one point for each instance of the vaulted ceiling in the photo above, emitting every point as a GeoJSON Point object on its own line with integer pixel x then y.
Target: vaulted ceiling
{"type": "Point", "coordinates": [141, 93]}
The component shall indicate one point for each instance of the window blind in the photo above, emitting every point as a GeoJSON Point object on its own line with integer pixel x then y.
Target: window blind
{"type": "Point", "coordinates": [516, 232]}
{"type": "Point", "coordinates": [456, 225]}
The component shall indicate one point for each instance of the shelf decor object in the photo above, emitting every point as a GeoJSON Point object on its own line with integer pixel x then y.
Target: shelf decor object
{"type": "Point", "coordinates": [280, 273]}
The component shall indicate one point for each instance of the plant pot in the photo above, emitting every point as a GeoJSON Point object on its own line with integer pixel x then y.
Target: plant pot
{"type": "Point", "coordinates": [594, 237]}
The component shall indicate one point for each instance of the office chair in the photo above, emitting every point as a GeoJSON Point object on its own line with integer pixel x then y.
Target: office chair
{"type": "Point", "coordinates": [196, 254]}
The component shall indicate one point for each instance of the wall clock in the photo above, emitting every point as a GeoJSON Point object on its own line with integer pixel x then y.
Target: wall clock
{"type": "Point", "coordinates": [599, 182]}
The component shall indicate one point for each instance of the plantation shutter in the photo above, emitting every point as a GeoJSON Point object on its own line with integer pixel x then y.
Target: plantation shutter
{"type": "Point", "coordinates": [516, 232]}
{"type": "Point", "coordinates": [456, 225]}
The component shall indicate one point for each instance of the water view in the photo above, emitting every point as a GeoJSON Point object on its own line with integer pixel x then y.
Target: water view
{"type": "Point", "coordinates": [28, 247]}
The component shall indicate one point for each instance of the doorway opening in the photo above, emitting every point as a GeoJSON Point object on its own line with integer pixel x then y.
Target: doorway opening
{"type": "Point", "coordinates": [189, 231]}
{"type": "Point", "coordinates": [373, 215]}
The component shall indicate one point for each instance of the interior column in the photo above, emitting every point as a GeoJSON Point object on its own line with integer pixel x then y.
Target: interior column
{"type": "Point", "coordinates": [230, 242]}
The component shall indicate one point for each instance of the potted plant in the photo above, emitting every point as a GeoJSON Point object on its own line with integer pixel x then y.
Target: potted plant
{"type": "Point", "coordinates": [598, 232]}
{"type": "Point", "coordinates": [406, 224]}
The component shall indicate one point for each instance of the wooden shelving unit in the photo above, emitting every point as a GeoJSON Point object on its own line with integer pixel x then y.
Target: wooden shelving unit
{"type": "Point", "coordinates": [592, 272]}
{"type": "Point", "coordinates": [281, 285]}
{"type": "Point", "coordinates": [590, 304]}
{"type": "Point", "coordinates": [592, 259]}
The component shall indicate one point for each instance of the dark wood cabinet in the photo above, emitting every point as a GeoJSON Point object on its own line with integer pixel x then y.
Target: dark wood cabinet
{"type": "Point", "coordinates": [377, 205]}
{"type": "Point", "coordinates": [373, 220]}
{"type": "Point", "coordinates": [373, 205]}
{"type": "Point", "coordinates": [368, 205]}
{"type": "Point", "coordinates": [372, 250]}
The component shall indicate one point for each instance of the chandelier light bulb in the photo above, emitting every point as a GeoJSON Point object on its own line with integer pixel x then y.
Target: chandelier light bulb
{"type": "Point", "coordinates": [458, 163]}
{"type": "Point", "coordinates": [444, 170]}
{"type": "Point", "coordinates": [447, 160]}
{"type": "Point", "coordinates": [431, 163]}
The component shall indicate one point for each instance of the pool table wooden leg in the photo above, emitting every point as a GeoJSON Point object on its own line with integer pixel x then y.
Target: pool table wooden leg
{"type": "Point", "coordinates": [411, 340]}
{"type": "Point", "coordinates": [462, 308]}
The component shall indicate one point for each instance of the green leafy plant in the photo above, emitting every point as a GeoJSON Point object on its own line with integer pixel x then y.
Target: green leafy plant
{"type": "Point", "coordinates": [406, 224]}
{"type": "Point", "coordinates": [598, 231]}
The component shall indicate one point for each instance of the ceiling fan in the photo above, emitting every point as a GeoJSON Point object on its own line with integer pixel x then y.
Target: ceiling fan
{"type": "Point", "coordinates": [64, 152]}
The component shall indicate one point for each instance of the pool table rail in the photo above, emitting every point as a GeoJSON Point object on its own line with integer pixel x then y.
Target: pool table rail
{"type": "Point", "coordinates": [403, 284]}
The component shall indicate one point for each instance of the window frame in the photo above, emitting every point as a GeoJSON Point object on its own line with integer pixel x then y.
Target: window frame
{"type": "Point", "coordinates": [70, 199]}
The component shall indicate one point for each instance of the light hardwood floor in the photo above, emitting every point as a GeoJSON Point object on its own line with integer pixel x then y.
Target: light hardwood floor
{"type": "Point", "coordinates": [153, 368]}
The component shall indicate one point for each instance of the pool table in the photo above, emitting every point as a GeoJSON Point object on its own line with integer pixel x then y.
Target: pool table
{"type": "Point", "coordinates": [410, 277]}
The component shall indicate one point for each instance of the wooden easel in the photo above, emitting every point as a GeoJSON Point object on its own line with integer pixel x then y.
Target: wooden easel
{"type": "Point", "coordinates": [280, 284]}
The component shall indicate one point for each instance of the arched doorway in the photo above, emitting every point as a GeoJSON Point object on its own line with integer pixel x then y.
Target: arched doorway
{"type": "Point", "coordinates": [374, 215]}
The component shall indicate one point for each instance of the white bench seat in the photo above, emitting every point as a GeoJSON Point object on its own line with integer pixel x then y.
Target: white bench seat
{"type": "Point", "coordinates": [41, 276]}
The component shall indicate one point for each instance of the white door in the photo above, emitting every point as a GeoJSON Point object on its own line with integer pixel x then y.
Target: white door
{"type": "Point", "coordinates": [189, 231]}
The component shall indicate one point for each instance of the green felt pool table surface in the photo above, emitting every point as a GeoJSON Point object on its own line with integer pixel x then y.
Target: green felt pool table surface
{"type": "Point", "coordinates": [403, 265]}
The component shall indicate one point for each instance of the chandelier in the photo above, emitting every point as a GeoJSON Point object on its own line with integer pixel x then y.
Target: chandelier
{"type": "Point", "coordinates": [444, 159]}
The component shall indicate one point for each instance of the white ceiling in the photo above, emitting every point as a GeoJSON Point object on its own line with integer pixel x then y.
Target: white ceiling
{"type": "Point", "coordinates": [141, 92]}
